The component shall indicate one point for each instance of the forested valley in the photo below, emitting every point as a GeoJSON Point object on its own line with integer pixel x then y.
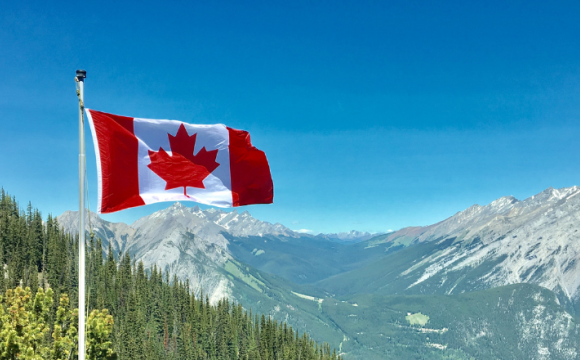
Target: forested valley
{"type": "Point", "coordinates": [138, 313]}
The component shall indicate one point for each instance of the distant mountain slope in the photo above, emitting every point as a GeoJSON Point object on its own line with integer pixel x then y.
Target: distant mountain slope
{"type": "Point", "coordinates": [349, 237]}
{"type": "Point", "coordinates": [157, 239]}
{"type": "Point", "coordinates": [188, 242]}
{"type": "Point", "coordinates": [115, 234]}
{"type": "Point", "coordinates": [192, 245]}
{"type": "Point", "coordinates": [347, 293]}
{"type": "Point", "coordinates": [510, 323]}
{"type": "Point", "coordinates": [304, 260]}
{"type": "Point", "coordinates": [508, 241]}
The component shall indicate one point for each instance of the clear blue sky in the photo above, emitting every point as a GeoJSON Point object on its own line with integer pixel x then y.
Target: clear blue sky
{"type": "Point", "coordinates": [374, 115]}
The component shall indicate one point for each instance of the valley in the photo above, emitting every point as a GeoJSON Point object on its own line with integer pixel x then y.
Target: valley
{"type": "Point", "coordinates": [495, 281]}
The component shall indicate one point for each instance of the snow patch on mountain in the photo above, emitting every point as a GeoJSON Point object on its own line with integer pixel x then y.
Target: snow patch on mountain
{"type": "Point", "coordinates": [536, 241]}
{"type": "Point", "coordinates": [187, 242]}
{"type": "Point", "coordinates": [352, 236]}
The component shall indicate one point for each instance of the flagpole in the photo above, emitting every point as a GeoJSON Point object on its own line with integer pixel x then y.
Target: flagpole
{"type": "Point", "coordinates": [80, 78]}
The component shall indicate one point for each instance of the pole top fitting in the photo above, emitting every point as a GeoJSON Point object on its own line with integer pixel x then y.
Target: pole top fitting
{"type": "Point", "coordinates": [81, 75]}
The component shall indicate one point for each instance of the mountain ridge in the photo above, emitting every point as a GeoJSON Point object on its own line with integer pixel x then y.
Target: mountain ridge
{"type": "Point", "coordinates": [330, 287]}
{"type": "Point", "coordinates": [485, 228]}
{"type": "Point", "coordinates": [536, 241]}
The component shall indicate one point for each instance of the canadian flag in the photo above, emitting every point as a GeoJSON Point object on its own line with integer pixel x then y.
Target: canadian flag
{"type": "Point", "coordinates": [144, 161]}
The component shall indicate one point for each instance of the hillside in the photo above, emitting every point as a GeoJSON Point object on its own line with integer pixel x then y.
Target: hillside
{"type": "Point", "coordinates": [501, 279]}
{"type": "Point", "coordinates": [147, 314]}
{"type": "Point", "coordinates": [506, 242]}
{"type": "Point", "coordinates": [512, 322]}
{"type": "Point", "coordinates": [218, 236]}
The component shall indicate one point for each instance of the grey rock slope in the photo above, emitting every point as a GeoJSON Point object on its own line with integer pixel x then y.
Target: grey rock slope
{"type": "Point", "coordinates": [195, 246]}
{"type": "Point", "coordinates": [352, 236]}
{"type": "Point", "coordinates": [505, 242]}
{"type": "Point", "coordinates": [117, 234]}
{"type": "Point", "coordinates": [536, 241]}
{"type": "Point", "coordinates": [187, 242]}
{"type": "Point", "coordinates": [533, 241]}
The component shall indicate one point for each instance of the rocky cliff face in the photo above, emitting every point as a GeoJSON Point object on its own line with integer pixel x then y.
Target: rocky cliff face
{"type": "Point", "coordinates": [536, 241]}
{"type": "Point", "coordinates": [115, 234]}
{"type": "Point", "coordinates": [508, 241]}
{"type": "Point", "coordinates": [187, 242]}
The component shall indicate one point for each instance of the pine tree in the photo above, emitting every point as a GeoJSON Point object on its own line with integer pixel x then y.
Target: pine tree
{"type": "Point", "coordinates": [2, 267]}
{"type": "Point", "coordinates": [150, 313]}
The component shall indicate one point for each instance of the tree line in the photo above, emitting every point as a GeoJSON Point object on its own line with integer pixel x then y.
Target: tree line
{"type": "Point", "coordinates": [152, 314]}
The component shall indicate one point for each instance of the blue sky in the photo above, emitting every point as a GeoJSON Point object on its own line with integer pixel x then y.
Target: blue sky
{"type": "Point", "coordinates": [373, 115]}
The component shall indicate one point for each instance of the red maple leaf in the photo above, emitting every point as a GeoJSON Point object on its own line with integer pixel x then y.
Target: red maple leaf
{"type": "Point", "coordinates": [182, 168]}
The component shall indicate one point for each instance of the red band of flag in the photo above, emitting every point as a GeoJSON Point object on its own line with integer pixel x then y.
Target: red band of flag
{"type": "Point", "coordinates": [143, 161]}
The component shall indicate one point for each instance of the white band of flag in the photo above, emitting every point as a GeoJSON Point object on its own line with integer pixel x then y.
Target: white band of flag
{"type": "Point", "coordinates": [143, 161]}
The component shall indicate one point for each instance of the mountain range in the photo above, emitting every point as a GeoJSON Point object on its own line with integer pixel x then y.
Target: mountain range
{"type": "Point", "coordinates": [495, 281]}
{"type": "Point", "coordinates": [352, 236]}
{"type": "Point", "coordinates": [506, 242]}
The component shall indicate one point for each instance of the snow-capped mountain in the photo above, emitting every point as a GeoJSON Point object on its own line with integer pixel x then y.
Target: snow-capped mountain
{"type": "Point", "coordinates": [115, 234]}
{"type": "Point", "coordinates": [188, 242]}
{"type": "Point", "coordinates": [534, 241]}
{"type": "Point", "coordinates": [234, 223]}
{"type": "Point", "coordinates": [509, 241]}
{"type": "Point", "coordinates": [352, 236]}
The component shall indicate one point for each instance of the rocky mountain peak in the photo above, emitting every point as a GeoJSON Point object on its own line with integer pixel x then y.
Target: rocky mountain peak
{"type": "Point", "coordinates": [352, 236]}
{"type": "Point", "coordinates": [535, 240]}
{"type": "Point", "coordinates": [550, 195]}
{"type": "Point", "coordinates": [503, 202]}
{"type": "Point", "coordinates": [189, 242]}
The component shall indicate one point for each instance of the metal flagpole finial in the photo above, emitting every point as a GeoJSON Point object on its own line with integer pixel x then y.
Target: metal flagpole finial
{"type": "Point", "coordinates": [81, 75]}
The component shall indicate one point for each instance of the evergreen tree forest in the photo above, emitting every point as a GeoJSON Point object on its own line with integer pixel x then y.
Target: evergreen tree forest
{"type": "Point", "coordinates": [154, 315]}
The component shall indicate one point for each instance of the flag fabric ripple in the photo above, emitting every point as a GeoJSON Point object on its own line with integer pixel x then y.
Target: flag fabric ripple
{"type": "Point", "coordinates": [144, 161]}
